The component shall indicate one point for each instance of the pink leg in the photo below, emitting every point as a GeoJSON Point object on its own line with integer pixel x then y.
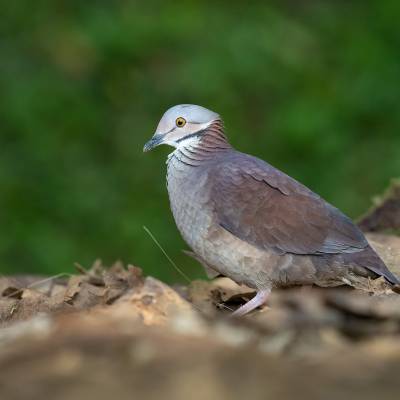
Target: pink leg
{"type": "Point", "coordinates": [258, 300]}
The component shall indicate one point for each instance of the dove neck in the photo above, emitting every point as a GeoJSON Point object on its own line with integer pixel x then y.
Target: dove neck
{"type": "Point", "coordinates": [201, 147]}
{"type": "Point", "coordinates": [213, 137]}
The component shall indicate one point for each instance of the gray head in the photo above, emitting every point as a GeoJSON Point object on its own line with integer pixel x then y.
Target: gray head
{"type": "Point", "coordinates": [181, 124]}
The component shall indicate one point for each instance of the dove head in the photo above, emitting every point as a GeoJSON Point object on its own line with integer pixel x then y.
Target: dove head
{"type": "Point", "coordinates": [182, 125]}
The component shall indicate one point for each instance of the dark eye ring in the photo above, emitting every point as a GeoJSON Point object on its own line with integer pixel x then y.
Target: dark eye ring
{"type": "Point", "coordinates": [180, 122]}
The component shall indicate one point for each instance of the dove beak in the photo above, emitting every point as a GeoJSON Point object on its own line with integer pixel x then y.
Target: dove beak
{"type": "Point", "coordinates": [155, 141]}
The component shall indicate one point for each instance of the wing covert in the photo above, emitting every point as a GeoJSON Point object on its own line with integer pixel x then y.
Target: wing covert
{"type": "Point", "coordinates": [269, 210]}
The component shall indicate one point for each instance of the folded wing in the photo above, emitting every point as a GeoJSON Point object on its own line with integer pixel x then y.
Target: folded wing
{"type": "Point", "coordinates": [269, 210]}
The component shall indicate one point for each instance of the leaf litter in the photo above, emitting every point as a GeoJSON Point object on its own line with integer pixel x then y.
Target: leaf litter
{"type": "Point", "coordinates": [114, 332]}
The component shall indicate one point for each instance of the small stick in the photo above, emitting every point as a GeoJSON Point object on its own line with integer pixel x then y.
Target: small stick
{"type": "Point", "coordinates": [166, 255]}
{"type": "Point", "coordinates": [37, 283]}
{"type": "Point", "coordinates": [176, 267]}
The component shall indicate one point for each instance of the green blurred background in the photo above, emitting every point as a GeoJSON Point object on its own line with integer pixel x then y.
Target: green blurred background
{"type": "Point", "coordinates": [310, 86]}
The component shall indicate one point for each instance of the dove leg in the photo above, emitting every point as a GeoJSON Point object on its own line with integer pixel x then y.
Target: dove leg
{"type": "Point", "coordinates": [258, 300]}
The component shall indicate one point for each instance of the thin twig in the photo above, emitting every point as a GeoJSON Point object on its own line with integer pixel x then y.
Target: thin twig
{"type": "Point", "coordinates": [166, 255]}
{"type": "Point", "coordinates": [222, 305]}
{"type": "Point", "coordinates": [37, 283]}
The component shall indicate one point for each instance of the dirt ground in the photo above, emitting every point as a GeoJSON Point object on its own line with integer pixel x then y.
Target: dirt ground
{"type": "Point", "coordinates": [112, 333]}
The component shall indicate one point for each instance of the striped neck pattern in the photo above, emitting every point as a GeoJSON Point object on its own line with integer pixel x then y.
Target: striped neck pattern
{"type": "Point", "coordinates": [200, 147]}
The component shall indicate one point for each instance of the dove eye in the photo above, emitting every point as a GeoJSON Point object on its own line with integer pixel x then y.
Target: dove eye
{"type": "Point", "coordinates": [180, 122]}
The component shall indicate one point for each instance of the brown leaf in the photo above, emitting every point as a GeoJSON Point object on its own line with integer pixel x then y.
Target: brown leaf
{"type": "Point", "coordinates": [388, 248]}
{"type": "Point", "coordinates": [118, 280]}
{"type": "Point", "coordinates": [210, 296]}
{"type": "Point", "coordinates": [153, 303]}
{"type": "Point", "coordinates": [385, 214]}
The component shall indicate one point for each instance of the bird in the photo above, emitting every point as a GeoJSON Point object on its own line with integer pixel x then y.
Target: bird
{"type": "Point", "coordinates": [246, 220]}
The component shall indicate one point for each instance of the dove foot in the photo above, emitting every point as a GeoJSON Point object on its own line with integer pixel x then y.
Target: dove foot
{"type": "Point", "coordinates": [258, 300]}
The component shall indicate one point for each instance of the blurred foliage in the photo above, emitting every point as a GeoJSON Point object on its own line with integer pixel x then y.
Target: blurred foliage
{"type": "Point", "coordinates": [310, 86]}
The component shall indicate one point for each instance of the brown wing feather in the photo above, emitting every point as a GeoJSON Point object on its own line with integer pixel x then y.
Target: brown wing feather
{"type": "Point", "coordinates": [268, 209]}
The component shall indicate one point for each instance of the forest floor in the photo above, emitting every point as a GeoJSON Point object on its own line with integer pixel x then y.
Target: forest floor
{"type": "Point", "coordinates": [113, 333]}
